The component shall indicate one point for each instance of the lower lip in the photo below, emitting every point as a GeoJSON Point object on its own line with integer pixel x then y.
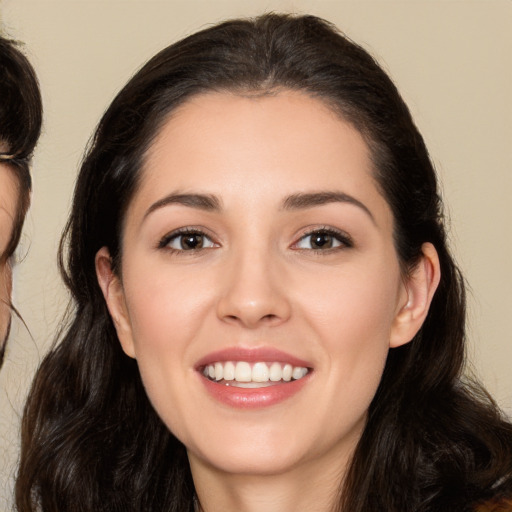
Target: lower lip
{"type": "Point", "coordinates": [253, 398]}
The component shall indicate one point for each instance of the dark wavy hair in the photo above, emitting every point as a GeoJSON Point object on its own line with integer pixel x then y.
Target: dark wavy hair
{"type": "Point", "coordinates": [90, 438]}
{"type": "Point", "coordinates": [21, 115]}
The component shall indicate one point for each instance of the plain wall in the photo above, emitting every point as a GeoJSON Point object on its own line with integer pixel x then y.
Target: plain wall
{"type": "Point", "coordinates": [452, 61]}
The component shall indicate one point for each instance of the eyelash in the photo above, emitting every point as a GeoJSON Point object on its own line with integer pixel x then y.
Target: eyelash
{"type": "Point", "coordinates": [343, 239]}
{"type": "Point", "coordinates": [167, 239]}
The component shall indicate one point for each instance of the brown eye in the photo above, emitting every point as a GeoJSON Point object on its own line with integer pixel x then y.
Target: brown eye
{"type": "Point", "coordinates": [322, 240]}
{"type": "Point", "coordinates": [187, 241]}
{"type": "Point", "coordinates": [191, 241]}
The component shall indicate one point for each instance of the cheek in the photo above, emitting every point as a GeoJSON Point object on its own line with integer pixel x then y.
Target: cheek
{"type": "Point", "coordinates": [166, 314]}
{"type": "Point", "coordinates": [167, 311]}
{"type": "Point", "coordinates": [353, 314]}
{"type": "Point", "coordinates": [355, 306]}
{"type": "Point", "coordinates": [5, 281]}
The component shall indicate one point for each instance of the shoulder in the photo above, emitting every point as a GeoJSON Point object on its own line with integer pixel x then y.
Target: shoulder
{"type": "Point", "coordinates": [495, 506]}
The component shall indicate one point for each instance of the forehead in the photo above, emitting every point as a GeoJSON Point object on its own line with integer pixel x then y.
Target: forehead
{"type": "Point", "coordinates": [256, 148]}
{"type": "Point", "coordinates": [8, 202]}
{"type": "Point", "coordinates": [288, 119]}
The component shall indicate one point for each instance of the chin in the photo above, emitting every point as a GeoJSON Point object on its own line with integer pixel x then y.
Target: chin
{"type": "Point", "coordinates": [247, 461]}
{"type": "Point", "coordinates": [263, 450]}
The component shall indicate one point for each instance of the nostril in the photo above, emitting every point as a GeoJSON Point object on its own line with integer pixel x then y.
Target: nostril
{"type": "Point", "coordinates": [245, 319]}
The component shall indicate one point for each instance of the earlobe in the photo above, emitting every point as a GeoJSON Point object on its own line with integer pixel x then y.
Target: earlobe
{"type": "Point", "coordinates": [113, 294]}
{"type": "Point", "coordinates": [420, 287]}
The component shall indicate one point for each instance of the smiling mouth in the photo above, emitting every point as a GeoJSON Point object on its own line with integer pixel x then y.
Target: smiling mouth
{"type": "Point", "coordinates": [243, 374]}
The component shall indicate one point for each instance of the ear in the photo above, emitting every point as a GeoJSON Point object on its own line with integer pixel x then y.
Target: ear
{"type": "Point", "coordinates": [419, 288]}
{"type": "Point", "coordinates": [113, 293]}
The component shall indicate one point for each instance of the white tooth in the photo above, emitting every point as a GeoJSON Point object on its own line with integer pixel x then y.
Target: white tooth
{"type": "Point", "coordinates": [218, 371]}
{"type": "Point", "coordinates": [229, 371]}
{"type": "Point", "coordinates": [243, 372]}
{"type": "Point", "coordinates": [287, 372]}
{"type": "Point", "coordinates": [299, 372]}
{"type": "Point", "coordinates": [249, 385]}
{"type": "Point", "coordinates": [275, 372]}
{"type": "Point", "coordinates": [205, 371]}
{"type": "Point", "coordinates": [260, 372]}
{"type": "Point", "coordinates": [211, 371]}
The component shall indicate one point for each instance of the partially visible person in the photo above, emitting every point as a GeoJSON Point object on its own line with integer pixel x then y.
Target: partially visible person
{"type": "Point", "coordinates": [20, 126]}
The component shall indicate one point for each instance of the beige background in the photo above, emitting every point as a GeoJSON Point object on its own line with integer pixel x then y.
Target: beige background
{"type": "Point", "coordinates": [452, 60]}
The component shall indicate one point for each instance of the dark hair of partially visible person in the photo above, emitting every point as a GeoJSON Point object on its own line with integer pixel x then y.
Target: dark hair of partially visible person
{"type": "Point", "coordinates": [21, 115]}
{"type": "Point", "coordinates": [91, 440]}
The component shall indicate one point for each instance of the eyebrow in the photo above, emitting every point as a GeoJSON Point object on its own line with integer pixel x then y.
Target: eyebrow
{"type": "Point", "coordinates": [300, 201]}
{"type": "Point", "coordinates": [309, 200]}
{"type": "Point", "coordinates": [205, 202]}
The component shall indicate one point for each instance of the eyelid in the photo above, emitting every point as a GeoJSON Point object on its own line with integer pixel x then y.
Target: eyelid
{"type": "Point", "coordinates": [199, 230]}
{"type": "Point", "coordinates": [342, 236]}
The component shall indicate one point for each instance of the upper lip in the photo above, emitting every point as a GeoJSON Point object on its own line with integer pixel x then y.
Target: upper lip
{"type": "Point", "coordinates": [251, 355]}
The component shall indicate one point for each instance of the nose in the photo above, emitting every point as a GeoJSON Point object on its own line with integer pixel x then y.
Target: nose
{"type": "Point", "coordinates": [254, 293]}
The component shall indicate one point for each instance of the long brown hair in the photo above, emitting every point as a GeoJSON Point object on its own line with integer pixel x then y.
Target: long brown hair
{"type": "Point", "coordinates": [92, 441]}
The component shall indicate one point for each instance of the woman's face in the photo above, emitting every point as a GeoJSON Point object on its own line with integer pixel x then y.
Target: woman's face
{"type": "Point", "coordinates": [258, 246]}
{"type": "Point", "coordinates": [8, 201]}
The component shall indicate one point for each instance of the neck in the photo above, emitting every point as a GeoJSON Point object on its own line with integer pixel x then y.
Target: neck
{"type": "Point", "coordinates": [301, 489]}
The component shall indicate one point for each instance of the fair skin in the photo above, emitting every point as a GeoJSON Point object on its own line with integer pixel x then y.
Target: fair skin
{"type": "Point", "coordinates": [8, 199]}
{"type": "Point", "coordinates": [297, 256]}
